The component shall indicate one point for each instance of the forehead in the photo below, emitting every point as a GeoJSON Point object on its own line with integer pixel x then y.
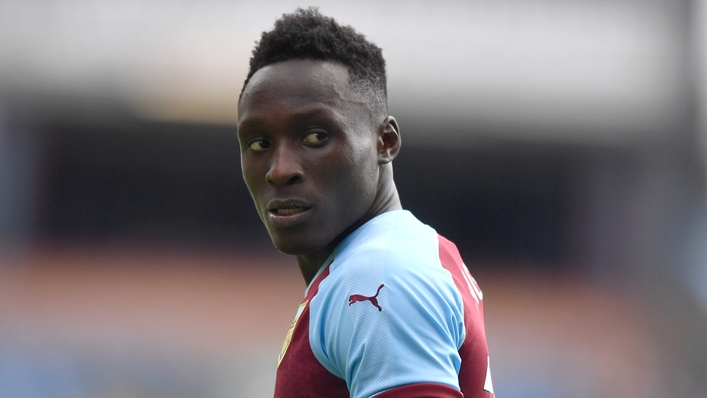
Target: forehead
{"type": "Point", "coordinates": [295, 83]}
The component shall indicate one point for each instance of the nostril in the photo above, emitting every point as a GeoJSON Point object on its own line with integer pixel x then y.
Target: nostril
{"type": "Point", "coordinates": [295, 179]}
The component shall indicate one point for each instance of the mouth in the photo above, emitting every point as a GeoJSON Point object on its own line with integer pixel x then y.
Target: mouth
{"type": "Point", "coordinates": [286, 212]}
{"type": "Point", "coordinates": [287, 209]}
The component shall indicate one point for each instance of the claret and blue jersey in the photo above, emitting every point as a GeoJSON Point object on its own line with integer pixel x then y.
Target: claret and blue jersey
{"type": "Point", "coordinates": [393, 312]}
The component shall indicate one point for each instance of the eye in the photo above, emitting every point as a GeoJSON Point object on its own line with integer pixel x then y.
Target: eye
{"type": "Point", "coordinates": [314, 138]}
{"type": "Point", "coordinates": [259, 145]}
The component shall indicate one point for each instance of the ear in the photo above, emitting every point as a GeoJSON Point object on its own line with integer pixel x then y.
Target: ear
{"type": "Point", "coordinates": [388, 140]}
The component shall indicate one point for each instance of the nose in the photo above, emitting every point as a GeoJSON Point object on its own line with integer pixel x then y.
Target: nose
{"type": "Point", "coordinates": [285, 168]}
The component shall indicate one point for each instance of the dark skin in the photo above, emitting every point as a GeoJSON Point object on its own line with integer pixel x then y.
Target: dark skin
{"type": "Point", "coordinates": [315, 157]}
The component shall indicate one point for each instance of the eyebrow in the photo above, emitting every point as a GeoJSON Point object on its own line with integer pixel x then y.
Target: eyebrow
{"type": "Point", "coordinates": [250, 123]}
{"type": "Point", "coordinates": [297, 118]}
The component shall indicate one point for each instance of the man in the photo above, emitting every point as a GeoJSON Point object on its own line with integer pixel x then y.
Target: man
{"type": "Point", "coordinates": [390, 309]}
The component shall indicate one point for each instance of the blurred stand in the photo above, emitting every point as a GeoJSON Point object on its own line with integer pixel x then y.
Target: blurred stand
{"type": "Point", "coordinates": [19, 163]}
{"type": "Point", "coordinates": [562, 146]}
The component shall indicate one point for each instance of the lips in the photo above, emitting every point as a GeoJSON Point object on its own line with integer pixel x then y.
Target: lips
{"type": "Point", "coordinates": [285, 213]}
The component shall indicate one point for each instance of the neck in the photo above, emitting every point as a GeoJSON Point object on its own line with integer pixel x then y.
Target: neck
{"type": "Point", "coordinates": [310, 265]}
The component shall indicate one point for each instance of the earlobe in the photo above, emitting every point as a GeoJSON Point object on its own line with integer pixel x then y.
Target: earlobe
{"type": "Point", "coordinates": [388, 140]}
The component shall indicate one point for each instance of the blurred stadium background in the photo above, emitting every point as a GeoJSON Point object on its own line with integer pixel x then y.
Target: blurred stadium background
{"type": "Point", "coordinates": [560, 144]}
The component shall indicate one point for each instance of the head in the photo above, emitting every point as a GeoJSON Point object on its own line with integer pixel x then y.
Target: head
{"type": "Point", "coordinates": [316, 140]}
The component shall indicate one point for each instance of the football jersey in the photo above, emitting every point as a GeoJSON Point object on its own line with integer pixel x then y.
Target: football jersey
{"type": "Point", "coordinates": [393, 312]}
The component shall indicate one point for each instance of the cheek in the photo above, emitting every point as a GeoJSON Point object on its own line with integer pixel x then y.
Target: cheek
{"type": "Point", "coordinates": [247, 177]}
{"type": "Point", "coordinates": [253, 179]}
{"type": "Point", "coordinates": [358, 178]}
{"type": "Point", "coordinates": [366, 161]}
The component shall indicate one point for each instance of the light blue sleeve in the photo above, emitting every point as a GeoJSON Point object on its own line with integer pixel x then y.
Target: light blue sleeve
{"type": "Point", "coordinates": [415, 336]}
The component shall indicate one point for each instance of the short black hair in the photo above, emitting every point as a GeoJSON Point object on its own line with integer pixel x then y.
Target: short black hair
{"type": "Point", "coordinates": [307, 34]}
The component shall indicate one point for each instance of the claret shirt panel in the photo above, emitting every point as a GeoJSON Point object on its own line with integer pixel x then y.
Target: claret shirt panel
{"type": "Point", "coordinates": [393, 311]}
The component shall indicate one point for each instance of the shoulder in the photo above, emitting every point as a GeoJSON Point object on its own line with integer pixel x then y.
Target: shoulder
{"type": "Point", "coordinates": [392, 248]}
{"type": "Point", "coordinates": [391, 239]}
{"type": "Point", "coordinates": [388, 303]}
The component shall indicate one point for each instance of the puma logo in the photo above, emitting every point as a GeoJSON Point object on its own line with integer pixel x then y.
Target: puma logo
{"type": "Point", "coordinates": [373, 299]}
